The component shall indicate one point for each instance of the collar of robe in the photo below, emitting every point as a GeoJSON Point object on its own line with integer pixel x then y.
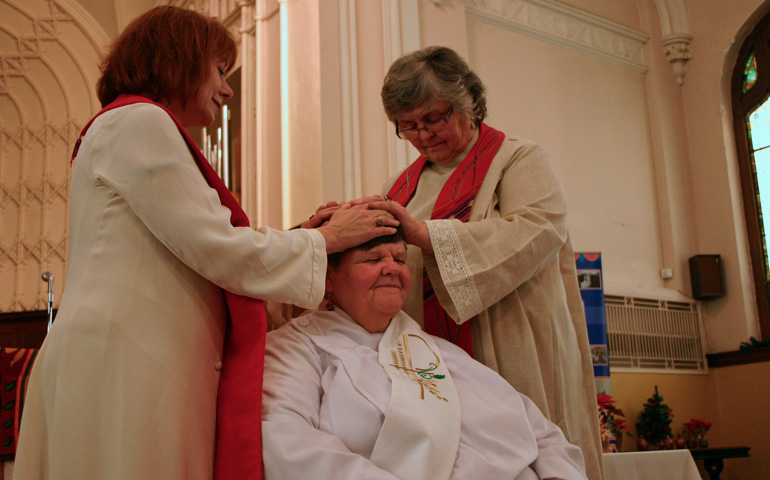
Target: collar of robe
{"type": "Point", "coordinates": [420, 434]}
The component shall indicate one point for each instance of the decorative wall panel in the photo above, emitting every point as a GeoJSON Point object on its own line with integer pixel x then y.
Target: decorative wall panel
{"type": "Point", "coordinates": [49, 54]}
{"type": "Point", "coordinates": [566, 26]}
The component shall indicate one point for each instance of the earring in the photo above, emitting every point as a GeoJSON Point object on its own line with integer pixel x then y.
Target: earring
{"type": "Point", "coordinates": [329, 300]}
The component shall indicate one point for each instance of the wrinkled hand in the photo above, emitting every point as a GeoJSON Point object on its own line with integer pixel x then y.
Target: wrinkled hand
{"type": "Point", "coordinates": [349, 226]}
{"type": "Point", "coordinates": [415, 232]}
{"type": "Point", "coordinates": [322, 214]}
{"type": "Point", "coordinates": [369, 199]}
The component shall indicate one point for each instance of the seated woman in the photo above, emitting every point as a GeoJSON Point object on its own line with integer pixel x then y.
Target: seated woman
{"type": "Point", "coordinates": [361, 392]}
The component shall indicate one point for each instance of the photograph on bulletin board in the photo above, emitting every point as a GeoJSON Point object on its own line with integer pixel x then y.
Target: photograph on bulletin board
{"type": "Point", "coordinates": [590, 278]}
{"type": "Point", "coordinates": [599, 355]}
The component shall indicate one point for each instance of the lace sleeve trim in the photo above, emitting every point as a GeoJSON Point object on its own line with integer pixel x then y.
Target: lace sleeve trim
{"type": "Point", "coordinates": [455, 273]}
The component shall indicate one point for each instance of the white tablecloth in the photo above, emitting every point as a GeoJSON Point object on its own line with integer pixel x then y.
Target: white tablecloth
{"type": "Point", "coordinates": [655, 465]}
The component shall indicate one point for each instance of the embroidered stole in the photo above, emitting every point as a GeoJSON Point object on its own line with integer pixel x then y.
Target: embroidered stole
{"type": "Point", "coordinates": [239, 399]}
{"type": "Point", "coordinates": [421, 432]}
{"type": "Point", "coordinates": [454, 201]}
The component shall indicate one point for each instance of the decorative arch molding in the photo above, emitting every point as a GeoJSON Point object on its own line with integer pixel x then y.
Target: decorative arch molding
{"type": "Point", "coordinates": [566, 26]}
{"type": "Point", "coordinates": [676, 37]}
{"type": "Point", "coordinates": [673, 16]}
{"type": "Point", "coordinates": [86, 23]}
{"type": "Point", "coordinates": [49, 56]}
{"type": "Point", "coordinates": [570, 27]}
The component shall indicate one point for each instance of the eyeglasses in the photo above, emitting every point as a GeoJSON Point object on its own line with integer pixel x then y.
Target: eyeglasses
{"type": "Point", "coordinates": [410, 130]}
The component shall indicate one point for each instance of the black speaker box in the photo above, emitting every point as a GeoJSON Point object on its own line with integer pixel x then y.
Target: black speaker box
{"type": "Point", "coordinates": [706, 276]}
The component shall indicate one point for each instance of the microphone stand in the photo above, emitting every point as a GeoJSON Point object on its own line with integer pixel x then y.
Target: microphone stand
{"type": "Point", "coordinates": [48, 277]}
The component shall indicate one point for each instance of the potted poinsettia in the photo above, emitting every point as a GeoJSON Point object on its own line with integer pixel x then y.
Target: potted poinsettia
{"type": "Point", "coordinates": [695, 431]}
{"type": "Point", "coordinates": [611, 423]}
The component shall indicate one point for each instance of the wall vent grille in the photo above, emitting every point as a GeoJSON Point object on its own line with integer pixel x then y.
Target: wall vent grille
{"type": "Point", "coordinates": [654, 335]}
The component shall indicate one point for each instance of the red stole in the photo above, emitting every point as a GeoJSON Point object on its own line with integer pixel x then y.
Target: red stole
{"type": "Point", "coordinates": [239, 399]}
{"type": "Point", "coordinates": [454, 201]}
{"type": "Point", "coordinates": [15, 367]}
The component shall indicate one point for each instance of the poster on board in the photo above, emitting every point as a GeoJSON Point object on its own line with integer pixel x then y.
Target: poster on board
{"type": "Point", "coordinates": [589, 273]}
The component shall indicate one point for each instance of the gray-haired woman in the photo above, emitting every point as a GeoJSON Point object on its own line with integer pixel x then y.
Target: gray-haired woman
{"type": "Point", "coordinates": [489, 217]}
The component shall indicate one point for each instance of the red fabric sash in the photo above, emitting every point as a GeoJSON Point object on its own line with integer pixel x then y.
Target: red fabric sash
{"type": "Point", "coordinates": [454, 201]}
{"type": "Point", "coordinates": [239, 399]}
{"type": "Point", "coordinates": [15, 367]}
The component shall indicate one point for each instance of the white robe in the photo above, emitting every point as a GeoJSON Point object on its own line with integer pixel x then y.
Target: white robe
{"type": "Point", "coordinates": [325, 396]}
{"type": "Point", "coordinates": [125, 385]}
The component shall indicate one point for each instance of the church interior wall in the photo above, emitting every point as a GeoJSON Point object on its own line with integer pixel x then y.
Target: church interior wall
{"type": "Point", "coordinates": [591, 116]}
{"type": "Point", "coordinates": [743, 415]}
{"type": "Point", "coordinates": [444, 24]}
{"type": "Point", "coordinates": [648, 165]}
{"type": "Point", "coordinates": [333, 127]}
{"type": "Point", "coordinates": [271, 78]}
{"type": "Point", "coordinates": [304, 114]}
{"type": "Point", "coordinates": [374, 126]}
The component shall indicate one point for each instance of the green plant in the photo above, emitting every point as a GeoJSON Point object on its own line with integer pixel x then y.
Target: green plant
{"type": "Point", "coordinates": [754, 343]}
{"type": "Point", "coordinates": [654, 424]}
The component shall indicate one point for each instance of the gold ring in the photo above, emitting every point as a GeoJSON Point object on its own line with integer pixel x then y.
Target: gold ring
{"type": "Point", "coordinates": [387, 198]}
{"type": "Point", "coordinates": [379, 222]}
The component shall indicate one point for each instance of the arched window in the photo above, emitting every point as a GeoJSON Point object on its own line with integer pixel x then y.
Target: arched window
{"type": "Point", "coordinates": [751, 118]}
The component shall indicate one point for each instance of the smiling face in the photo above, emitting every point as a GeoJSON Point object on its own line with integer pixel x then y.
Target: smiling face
{"type": "Point", "coordinates": [370, 285]}
{"type": "Point", "coordinates": [202, 108]}
{"type": "Point", "coordinates": [444, 144]}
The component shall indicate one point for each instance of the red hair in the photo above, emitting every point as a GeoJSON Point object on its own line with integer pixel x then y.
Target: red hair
{"type": "Point", "coordinates": [164, 54]}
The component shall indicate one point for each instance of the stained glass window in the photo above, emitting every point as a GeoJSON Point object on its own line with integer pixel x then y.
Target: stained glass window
{"type": "Point", "coordinates": [750, 73]}
{"type": "Point", "coordinates": [759, 140]}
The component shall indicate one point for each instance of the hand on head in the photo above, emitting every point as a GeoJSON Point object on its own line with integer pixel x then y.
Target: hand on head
{"type": "Point", "coordinates": [322, 214]}
{"type": "Point", "coordinates": [415, 232]}
{"type": "Point", "coordinates": [349, 226]}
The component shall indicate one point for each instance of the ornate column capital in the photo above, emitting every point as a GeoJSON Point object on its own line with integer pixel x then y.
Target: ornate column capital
{"type": "Point", "coordinates": [678, 51]}
{"type": "Point", "coordinates": [676, 38]}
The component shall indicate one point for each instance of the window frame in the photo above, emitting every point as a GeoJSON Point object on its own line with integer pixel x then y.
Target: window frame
{"type": "Point", "coordinates": [743, 104]}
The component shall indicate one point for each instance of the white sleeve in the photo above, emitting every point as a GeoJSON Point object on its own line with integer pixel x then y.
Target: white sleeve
{"type": "Point", "coordinates": [557, 459]}
{"type": "Point", "coordinates": [503, 432]}
{"type": "Point", "coordinates": [292, 445]}
{"type": "Point", "coordinates": [148, 164]}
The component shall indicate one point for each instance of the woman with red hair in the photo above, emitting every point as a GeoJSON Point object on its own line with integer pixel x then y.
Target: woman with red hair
{"type": "Point", "coordinates": [152, 369]}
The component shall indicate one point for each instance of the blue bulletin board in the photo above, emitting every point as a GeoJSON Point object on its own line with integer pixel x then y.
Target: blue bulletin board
{"type": "Point", "coordinates": [589, 273]}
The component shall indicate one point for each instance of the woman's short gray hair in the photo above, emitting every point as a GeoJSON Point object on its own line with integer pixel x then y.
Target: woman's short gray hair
{"type": "Point", "coordinates": [433, 73]}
